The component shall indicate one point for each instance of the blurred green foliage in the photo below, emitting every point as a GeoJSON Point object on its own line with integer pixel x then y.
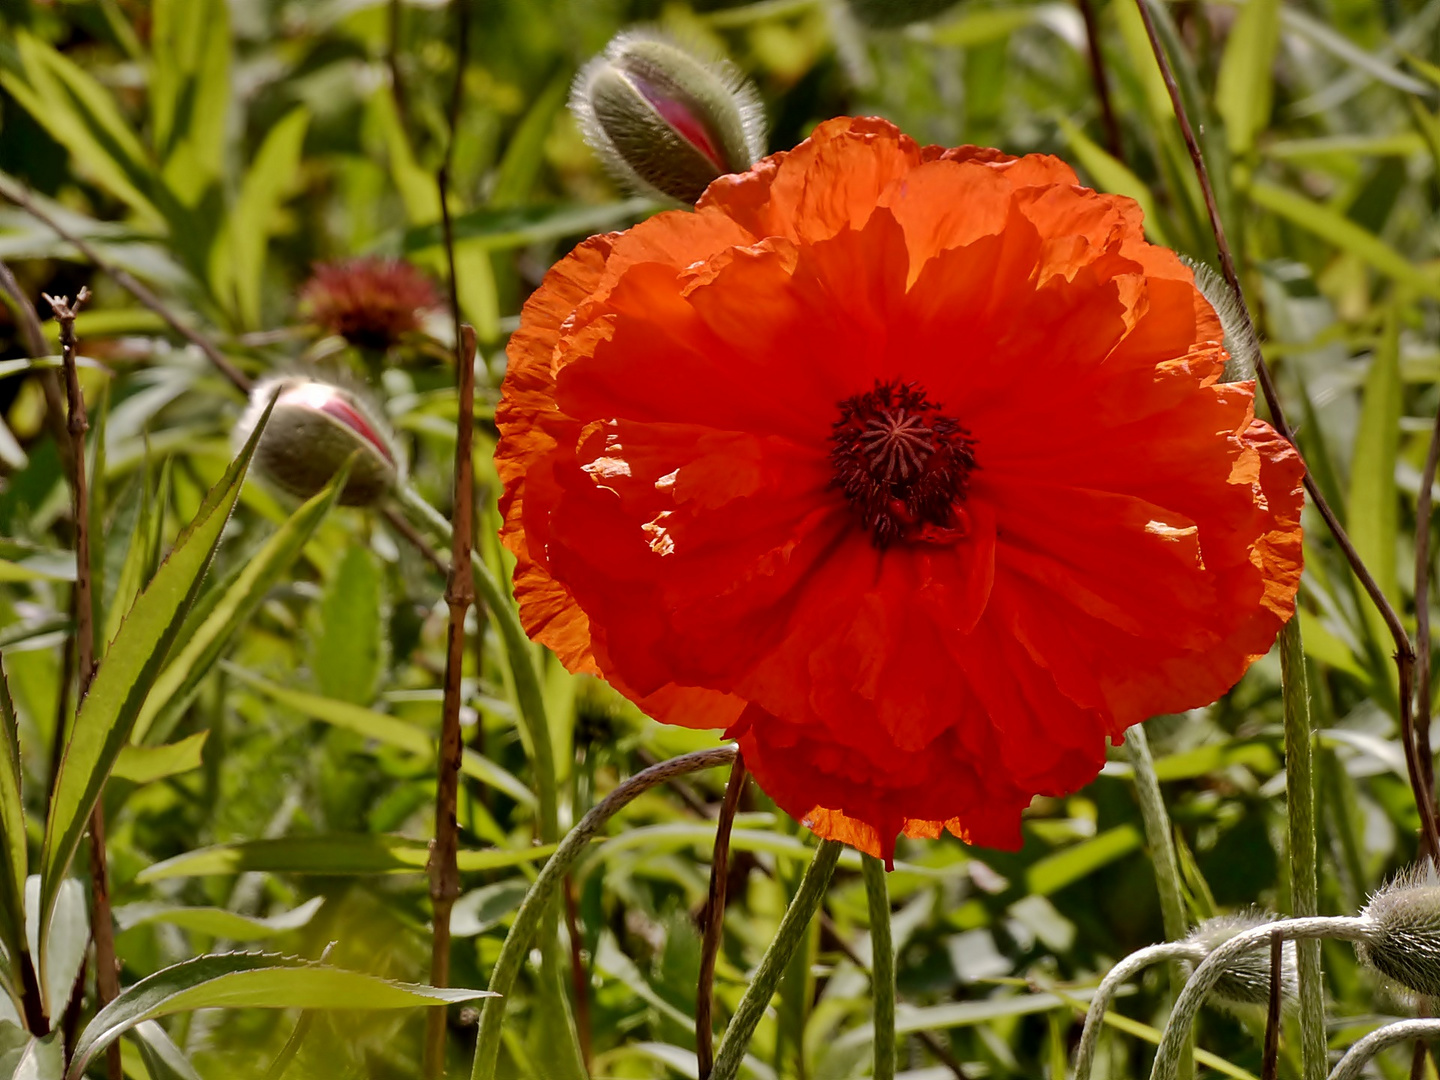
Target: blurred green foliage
{"type": "Point", "coordinates": [217, 149]}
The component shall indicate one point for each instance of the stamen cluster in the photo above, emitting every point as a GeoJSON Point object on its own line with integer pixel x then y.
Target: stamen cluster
{"type": "Point", "coordinates": [903, 464]}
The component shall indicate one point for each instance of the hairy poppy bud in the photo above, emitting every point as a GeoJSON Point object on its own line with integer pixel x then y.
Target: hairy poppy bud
{"type": "Point", "coordinates": [1246, 981]}
{"type": "Point", "coordinates": [313, 430]}
{"type": "Point", "coordinates": [1239, 340]}
{"type": "Point", "coordinates": [1404, 942]}
{"type": "Point", "coordinates": [664, 121]}
{"type": "Point", "coordinates": [884, 14]}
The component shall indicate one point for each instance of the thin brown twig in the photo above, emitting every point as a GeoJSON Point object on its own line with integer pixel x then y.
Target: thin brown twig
{"type": "Point", "coordinates": [1113, 141]}
{"type": "Point", "coordinates": [715, 921]}
{"type": "Point", "coordinates": [107, 979]}
{"type": "Point", "coordinates": [127, 281]}
{"type": "Point", "coordinates": [32, 336]}
{"type": "Point", "coordinates": [1424, 507]}
{"type": "Point", "coordinates": [415, 538]}
{"type": "Point", "coordinates": [1271, 1058]}
{"type": "Point", "coordinates": [578, 978]}
{"type": "Point", "coordinates": [459, 596]}
{"type": "Point", "coordinates": [1404, 649]}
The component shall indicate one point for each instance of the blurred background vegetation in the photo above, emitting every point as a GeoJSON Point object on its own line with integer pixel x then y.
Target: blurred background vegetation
{"type": "Point", "coordinates": [218, 149]}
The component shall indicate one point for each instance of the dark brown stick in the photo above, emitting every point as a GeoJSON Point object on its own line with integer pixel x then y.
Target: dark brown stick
{"type": "Point", "coordinates": [32, 336]}
{"type": "Point", "coordinates": [1270, 1060]}
{"type": "Point", "coordinates": [102, 929]}
{"type": "Point", "coordinates": [127, 281]}
{"type": "Point", "coordinates": [1404, 649]}
{"type": "Point", "coordinates": [1424, 507]}
{"type": "Point", "coordinates": [459, 595]}
{"type": "Point", "coordinates": [1113, 141]}
{"type": "Point", "coordinates": [715, 921]}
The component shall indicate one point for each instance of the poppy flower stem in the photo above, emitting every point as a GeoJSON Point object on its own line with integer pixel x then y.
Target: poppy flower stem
{"type": "Point", "coordinates": [538, 901]}
{"type": "Point", "coordinates": [763, 983]}
{"type": "Point", "coordinates": [1352, 1065]}
{"type": "Point", "coordinates": [882, 965]}
{"type": "Point", "coordinates": [715, 921]}
{"type": "Point", "coordinates": [1117, 977]}
{"type": "Point", "coordinates": [1175, 1041]}
{"type": "Point", "coordinates": [1157, 833]}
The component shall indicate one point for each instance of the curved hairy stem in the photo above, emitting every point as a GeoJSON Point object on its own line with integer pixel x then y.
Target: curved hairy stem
{"type": "Point", "coordinates": [1117, 977]}
{"type": "Point", "coordinates": [715, 922]}
{"type": "Point", "coordinates": [1355, 1059]}
{"type": "Point", "coordinates": [1175, 1042]}
{"type": "Point", "coordinates": [537, 900]}
{"type": "Point", "coordinates": [882, 966]}
{"type": "Point", "coordinates": [772, 965]}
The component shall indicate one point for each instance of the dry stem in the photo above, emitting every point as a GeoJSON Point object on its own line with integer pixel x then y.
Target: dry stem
{"type": "Point", "coordinates": [459, 596]}
{"type": "Point", "coordinates": [107, 980]}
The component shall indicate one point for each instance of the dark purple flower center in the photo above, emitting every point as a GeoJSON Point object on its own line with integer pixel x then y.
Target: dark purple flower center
{"type": "Point", "coordinates": [903, 464]}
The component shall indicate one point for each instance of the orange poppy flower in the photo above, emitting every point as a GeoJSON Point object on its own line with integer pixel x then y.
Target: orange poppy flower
{"type": "Point", "coordinates": [910, 467]}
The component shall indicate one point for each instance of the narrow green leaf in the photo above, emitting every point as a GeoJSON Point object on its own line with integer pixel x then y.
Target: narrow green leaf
{"type": "Point", "coordinates": [1244, 88]}
{"type": "Point", "coordinates": [1374, 499]}
{"type": "Point", "coordinates": [1340, 231]}
{"type": "Point", "coordinates": [137, 568]}
{"type": "Point", "coordinates": [12, 829]}
{"type": "Point", "coordinates": [42, 1059]}
{"type": "Point", "coordinates": [1055, 871]}
{"type": "Point", "coordinates": [982, 27]}
{"type": "Point", "coordinates": [163, 1059]}
{"type": "Point", "coordinates": [388, 730]}
{"type": "Point", "coordinates": [176, 684]}
{"type": "Point", "coordinates": [81, 115]}
{"type": "Point", "coordinates": [63, 951]}
{"type": "Point", "coordinates": [249, 980]}
{"type": "Point", "coordinates": [125, 677]}
{"type": "Point", "coordinates": [515, 178]}
{"type": "Point", "coordinates": [190, 91]}
{"type": "Point", "coordinates": [217, 922]}
{"type": "Point", "coordinates": [499, 230]}
{"type": "Point", "coordinates": [330, 854]}
{"type": "Point", "coordinates": [238, 262]}
{"type": "Point", "coordinates": [146, 764]}
{"type": "Point", "coordinates": [347, 650]}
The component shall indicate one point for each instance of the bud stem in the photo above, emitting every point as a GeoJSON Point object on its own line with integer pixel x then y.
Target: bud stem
{"type": "Point", "coordinates": [1117, 977]}
{"type": "Point", "coordinates": [1358, 1056]}
{"type": "Point", "coordinates": [1175, 1042]}
{"type": "Point", "coordinates": [882, 966]}
{"type": "Point", "coordinates": [537, 901]}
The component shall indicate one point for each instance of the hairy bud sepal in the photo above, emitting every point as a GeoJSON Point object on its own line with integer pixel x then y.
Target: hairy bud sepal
{"type": "Point", "coordinates": [1404, 943]}
{"type": "Point", "coordinates": [1244, 984]}
{"type": "Point", "coordinates": [314, 429]}
{"type": "Point", "coordinates": [665, 121]}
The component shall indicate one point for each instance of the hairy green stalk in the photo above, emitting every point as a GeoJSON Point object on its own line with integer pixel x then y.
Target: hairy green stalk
{"type": "Point", "coordinates": [1157, 834]}
{"type": "Point", "coordinates": [541, 896]}
{"type": "Point", "coordinates": [772, 965]}
{"type": "Point", "coordinates": [882, 966]}
{"type": "Point", "coordinates": [1300, 809]}
{"type": "Point", "coordinates": [1352, 1065]}
{"type": "Point", "coordinates": [1118, 976]}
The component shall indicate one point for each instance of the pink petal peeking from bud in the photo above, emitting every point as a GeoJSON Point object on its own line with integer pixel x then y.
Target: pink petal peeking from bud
{"type": "Point", "coordinates": [325, 399]}
{"type": "Point", "coordinates": [686, 124]}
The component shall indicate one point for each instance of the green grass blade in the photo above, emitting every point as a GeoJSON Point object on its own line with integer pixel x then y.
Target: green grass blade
{"type": "Point", "coordinates": [12, 830]}
{"type": "Point", "coordinates": [248, 980]}
{"type": "Point", "coordinates": [348, 650]}
{"type": "Point", "coordinates": [329, 854]}
{"type": "Point", "coordinates": [178, 681]}
{"type": "Point", "coordinates": [105, 719]}
{"type": "Point", "coordinates": [1244, 89]}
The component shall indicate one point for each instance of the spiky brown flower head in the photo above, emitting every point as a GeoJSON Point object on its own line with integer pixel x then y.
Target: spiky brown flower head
{"type": "Point", "coordinates": [1404, 943]}
{"type": "Point", "coordinates": [370, 301]}
{"type": "Point", "coordinates": [1245, 983]}
{"type": "Point", "coordinates": [665, 121]}
{"type": "Point", "coordinates": [314, 429]}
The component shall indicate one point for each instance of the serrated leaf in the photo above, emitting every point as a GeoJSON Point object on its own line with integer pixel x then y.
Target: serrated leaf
{"type": "Point", "coordinates": [124, 679]}
{"type": "Point", "coordinates": [1244, 88]}
{"type": "Point", "coordinates": [338, 854]}
{"type": "Point", "coordinates": [387, 730]}
{"type": "Point", "coordinates": [174, 686]}
{"type": "Point", "coordinates": [12, 831]}
{"type": "Point", "coordinates": [217, 922]}
{"type": "Point", "coordinates": [146, 764]}
{"type": "Point", "coordinates": [249, 980]}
